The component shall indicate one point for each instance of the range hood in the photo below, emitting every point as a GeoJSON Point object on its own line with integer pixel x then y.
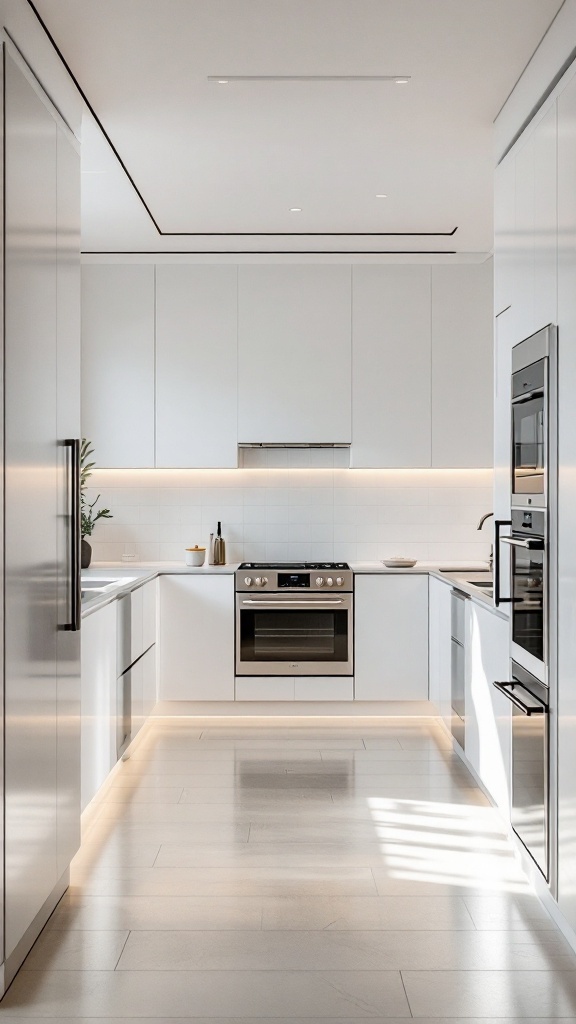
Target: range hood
{"type": "Point", "coordinates": [292, 444]}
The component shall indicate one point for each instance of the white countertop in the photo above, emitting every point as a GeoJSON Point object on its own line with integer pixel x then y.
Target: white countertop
{"type": "Point", "coordinates": [130, 577]}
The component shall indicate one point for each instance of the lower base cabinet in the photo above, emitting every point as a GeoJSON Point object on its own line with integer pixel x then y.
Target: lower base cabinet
{"type": "Point", "coordinates": [488, 712]}
{"type": "Point", "coordinates": [313, 688]}
{"type": "Point", "coordinates": [440, 652]}
{"type": "Point", "coordinates": [196, 637]}
{"type": "Point", "coordinates": [98, 686]}
{"type": "Point", "coordinates": [391, 636]}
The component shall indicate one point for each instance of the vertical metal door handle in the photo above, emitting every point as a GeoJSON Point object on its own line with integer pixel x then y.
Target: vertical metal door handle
{"type": "Point", "coordinates": [73, 486]}
{"type": "Point", "coordinates": [498, 600]}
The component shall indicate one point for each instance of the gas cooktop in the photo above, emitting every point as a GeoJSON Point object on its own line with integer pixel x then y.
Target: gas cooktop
{"type": "Point", "coordinates": [289, 566]}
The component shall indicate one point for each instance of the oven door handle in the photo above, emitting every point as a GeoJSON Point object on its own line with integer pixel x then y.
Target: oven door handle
{"type": "Point", "coordinates": [275, 602]}
{"type": "Point", "coordinates": [498, 524]}
{"type": "Point", "coordinates": [506, 689]}
{"type": "Point", "coordinates": [527, 395]}
{"type": "Point", "coordinates": [531, 543]}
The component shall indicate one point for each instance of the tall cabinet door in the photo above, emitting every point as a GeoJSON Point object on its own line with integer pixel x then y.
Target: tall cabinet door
{"type": "Point", "coordinates": [118, 363]}
{"type": "Point", "coordinates": [294, 354]}
{"type": "Point", "coordinates": [196, 366]}
{"type": "Point", "coordinates": [68, 426]}
{"type": "Point", "coordinates": [391, 367]}
{"type": "Point", "coordinates": [31, 484]}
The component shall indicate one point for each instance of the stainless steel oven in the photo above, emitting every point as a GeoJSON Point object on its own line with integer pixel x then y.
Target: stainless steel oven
{"type": "Point", "coordinates": [533, 408]}
{"type": "Point", "coordinates": [294, 621]}
{"type": "Point", "coordinates": [530, 814]}
{"type": "Point", "coordinates": [528, 600]}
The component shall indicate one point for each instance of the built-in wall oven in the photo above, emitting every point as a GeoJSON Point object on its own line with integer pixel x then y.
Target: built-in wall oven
{"type": "Point", "coordinates": [533, 402]}
{"type": "Point", "coordinates": [528, 597]}
{"type": "Point", "coordinates": [530, 814]}
{"type": "Point", "coordinates": [294, 619]}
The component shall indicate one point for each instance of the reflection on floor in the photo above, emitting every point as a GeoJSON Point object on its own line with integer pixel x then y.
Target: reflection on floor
{"type": "Point", "coordinates": [338, 870]}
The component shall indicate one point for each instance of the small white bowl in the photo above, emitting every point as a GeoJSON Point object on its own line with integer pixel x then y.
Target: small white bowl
{"type": "Point", "coordinates": [399, 563]}
{"type": "Point", "coordinates": [195, 556]}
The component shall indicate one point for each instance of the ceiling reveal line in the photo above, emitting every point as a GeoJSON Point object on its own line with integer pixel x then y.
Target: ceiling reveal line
{"type": "Point", "coordinates": [225, 79]}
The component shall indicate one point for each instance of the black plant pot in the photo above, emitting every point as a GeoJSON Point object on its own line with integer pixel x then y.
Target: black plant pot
{"type": "Point", "coordinates": [86, 556]}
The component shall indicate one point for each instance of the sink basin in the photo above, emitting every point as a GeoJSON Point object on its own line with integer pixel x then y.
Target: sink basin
{"type": "Point", "coordinates": [484, 584]}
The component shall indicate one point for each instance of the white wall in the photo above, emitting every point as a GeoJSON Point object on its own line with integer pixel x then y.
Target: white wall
{"type": "Point", "coordinates": [294, 513]}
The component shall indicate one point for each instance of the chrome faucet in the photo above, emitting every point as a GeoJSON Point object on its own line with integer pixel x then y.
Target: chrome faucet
{"type": "Point", "coordinates": [479, 527]}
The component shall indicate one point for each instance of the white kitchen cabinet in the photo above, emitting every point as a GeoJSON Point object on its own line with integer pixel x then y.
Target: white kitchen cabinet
{"type": "Point", "coordinates": [149, 681]}
{"type": "Point", "coordinates": [545, 220]}
{"type": "Point", "coordinates": [391, 345]}
{"type": "Point", "coordinates": [263, 688]}
{"type": "Point", "coordinates": [294, 353]}
{"type": "Point", "coordinates": [488, 712]}
{"type": "Point", "coordinates": [462, 366]}
{"type": "Point", "coordinates": [323, 688]}
{"type": "Point", "coordinates": [440, 665]}
{"type": "Point", "coordinates": [143, 619]}
{"type": "Point", "coordinates": [391, 636]}
{"type": "Point", "coordinates": [504, 234]}
{"type": "Point", "coordinates": [196, 637]}
{"type": "Point", "coordinates": [98, 689]}
{"type": "Point", "coordinates": [118, 363]}
{"type": "Point", "coordinates": [196, 366]}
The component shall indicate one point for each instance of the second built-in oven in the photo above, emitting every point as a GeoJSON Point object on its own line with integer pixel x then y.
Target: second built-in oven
{"type": "Point", "coordinates": [533, 411]}
{"type": "Point", "coordinates": [528, 597]}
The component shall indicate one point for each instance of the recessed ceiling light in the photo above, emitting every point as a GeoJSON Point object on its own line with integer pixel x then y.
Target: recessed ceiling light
{"type": "Point", "coordinates": [401, 81]}
{"type": "Point", "coordinates": [381, 195]}
{"type": "Point", "coordinates": [295, 209]}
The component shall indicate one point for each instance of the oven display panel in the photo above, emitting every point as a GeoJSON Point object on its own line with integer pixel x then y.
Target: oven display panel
{"type": "Point", "coordinates": [293, 579]}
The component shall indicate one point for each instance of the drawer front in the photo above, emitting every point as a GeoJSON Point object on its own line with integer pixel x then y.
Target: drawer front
{"type": "Point", "coordinates": [264, 688]}
{"type": "Point", "coordinates": [323, 688]}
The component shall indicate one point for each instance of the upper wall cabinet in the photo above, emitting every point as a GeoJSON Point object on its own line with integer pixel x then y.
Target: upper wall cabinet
{"type": "Point", "coordinates": [118, 363]}
{"type": "Point", "coordinates": [526, 227]}
{"type": "Point", "coordinates": [294, 354]}
{"type": "Point", "coordinates": [462, 366]}
{"type": "Point", "coordinates": [196, 371]}
{"type": "Point", "coordinates": [391, 366]}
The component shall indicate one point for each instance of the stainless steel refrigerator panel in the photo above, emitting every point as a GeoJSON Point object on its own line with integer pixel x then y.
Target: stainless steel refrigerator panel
{"type": "Point", "coordinates": [31, 483]}
{"type": "Point", "coordinates": [68, 426]}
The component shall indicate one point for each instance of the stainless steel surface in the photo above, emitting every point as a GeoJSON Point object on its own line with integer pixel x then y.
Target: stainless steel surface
{"type": "Point", "coordinates": [530, 813]}
{"type": "Point", "coordinates": [218, 548]}
{"type": "Point", "coordinates": [278, 632]}
{"type": "Point", "coordinates": [529, 572]}
{"type": "Point", "coordinates": [275, 444]}
{"type": "Point", "coordinates": [124, 680]}
{"type": "Point", "coordinates": [68, 427]}
{"type": "Point", "coordinates": [31, 482]}
{"type": "Point", "coordinates": [534, 392]}
{"type": "Point", "coordinates": [308, 576]}
{"type": "Point", "coordinates": [458, 665]}
{"type": "Point", "coordinates": [483, 520]}
{"type": "Point", "coordinates": [479, 527]}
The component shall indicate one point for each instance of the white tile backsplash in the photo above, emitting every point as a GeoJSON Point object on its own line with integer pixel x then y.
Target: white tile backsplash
{"type": "Point", "coordinates": [294, 513]}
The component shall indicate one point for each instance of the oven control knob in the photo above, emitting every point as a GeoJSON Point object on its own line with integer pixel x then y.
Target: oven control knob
{"type": "Point", "coordinates": [330, 581]}
{"type": "Point", "coordinates": [339, 581]}
{"type": "Point", "coordinates": [248, 581]}
{"type": "Point", "coordinates": [261, 581]}
{"type": "Point", "coordinates": [319, 581]}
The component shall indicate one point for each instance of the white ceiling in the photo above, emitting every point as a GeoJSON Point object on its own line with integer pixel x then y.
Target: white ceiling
{"type": "Point", "coordinates": [234, 158]}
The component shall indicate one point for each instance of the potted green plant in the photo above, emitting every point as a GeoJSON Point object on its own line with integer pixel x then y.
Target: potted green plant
{"type": "Point", "coordinates": [89, 516]}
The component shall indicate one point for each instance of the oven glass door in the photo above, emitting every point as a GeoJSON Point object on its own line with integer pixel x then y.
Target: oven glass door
{"type": "Point", "coordinates": [528, 446]}
{"type": "Point", "coordinates": [528, 598]}
{"type": "Point", "coordinates": [287, 635]}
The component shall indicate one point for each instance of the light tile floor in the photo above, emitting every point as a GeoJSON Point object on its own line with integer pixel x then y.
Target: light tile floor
{"type": "Point", "coordinates": [330, 871]}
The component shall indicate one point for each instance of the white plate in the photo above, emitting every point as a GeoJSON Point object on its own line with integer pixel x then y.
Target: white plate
{"type": "Point", "coordinates": [399, 563]}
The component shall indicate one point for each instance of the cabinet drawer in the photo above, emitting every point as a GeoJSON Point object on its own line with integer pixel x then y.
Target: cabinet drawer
{"type": "Point", "coordinates": [264, 688]}
{"type": "Point", "coordinates": [324, 688]}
